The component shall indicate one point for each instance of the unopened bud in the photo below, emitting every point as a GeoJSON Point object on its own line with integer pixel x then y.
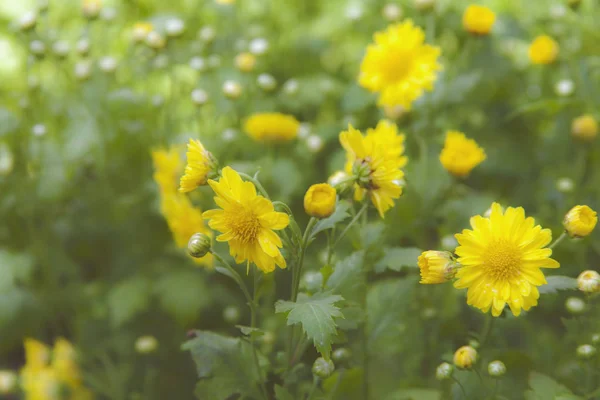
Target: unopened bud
{"type": "Point", "coordinates": [174, 27]}
{"type": "Point", "coordinates": [91, 8]}
{"type": "Point", "coordinates": [108, 64]}
{"type": "Point", "coordinates": [465, 357]}
{"type": "Point", "coordinates": [596, 338]}
{"type": "Point", "coordinates": [575, 305]}
{"type": "Point", "coordinates": [8, 381]}
{"type": "Point", "coordinates": [155, 40]}
{"type": "Point", "coordinates": [323, 368]}
{"type": "Point", "coordinates": [586, 351]}
{"type": "Point", "coordinates": [82, 47]}
{"type": "Point", "coordinates": [37, 47]}
{"type": "Point", "coordinates": [232, 89]}
{"type": "Point", "coordinates": [341, 355]}
{"type": "Point", "coordinates": [199, 97]}
{"type": "Point", "coordinates": [444, 371]}
{"type": "Point", "coordinates": [496, 368]}
{"type": "Point", "coordinates": [28, 21]}
{"type": "Point", "coordinates": [580, 221]}
{"type": "Point", "coordinates": [258, 46]}
{"type": "Point", "coordinates": [199, 245]}
{"type": "Point", "coordinates": [231, 314]}
{"type": "Point", "coordinates": [146, 344]}
{"type": "Point", "coordinates": [290, 87]}
{"type": "Point", "coordinates": [207, 34]}
{"type": "Point", "coordinates": [266, 82]}
{"type": "Point", "coordinates": [565, 185]}
{"type": "Point", "coordinates": [61, 48]}
{"type": "Point", "coordinates": [245, 62]}
{"type": "Point", "coordinates": [589, 281]}
{"type": "Point", "coordinates": [314, 143]}
{"type": "Point", "coordinates": [392, 12]}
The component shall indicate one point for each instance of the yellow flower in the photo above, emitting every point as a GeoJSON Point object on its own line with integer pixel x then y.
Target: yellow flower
{"type": "Point", "coordinates": [376, 159]}
{"type": "Point", "coordinates": [225, 1]}
{"type": "Point", "coordinates": [399, 65]}
{"type": "Point", "coordinates": [140, 31]}
{"type": "Point", "coordinates": [247, 221]}
{"type": "Point", "coordinates": [501, 260]}
{"type": "Point", "coordinates": [543, 50]}
{"type": "Point", "coordinates": [460, 155]}
{"type": "Point", "coordinates": [465, 357]}
{"type": "Point", "coordinates": [478, 19]}
{"type": "Point", "coordinates": [436, 266]}
{"type": "Point", "coordinates": [272, 127]}
{"type": "Point", "coordinates": [64, 363]}
{"type": "Point", "coordinates": [200, 166]}
{"type": "Point", "coordinates": [167, 168]}
{"type": "Point", "coordinates": [91, 8]}
{"type": "Point", "coordinates": [580, 221]}
{"type": "Point", "coordinates": [319, 200]}
{"type": "Point", "coordinates": [589, 281]}
{"type": "Point", "coordinates": [37, 354]}
{"type": "Point", "coordinates": [584, 128]}
{"type": "Point", "coordinates": [245, 62]}
{"type": "Point", "coordinates": [40, 384]}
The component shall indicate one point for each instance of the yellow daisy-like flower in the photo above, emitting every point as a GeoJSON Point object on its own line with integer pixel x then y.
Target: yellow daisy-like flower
{"type": "Point", "coordinates": [436, 266]}
{"type": "Point", "coordinates": [465, 357]}
{"type": "Point", "coordinates": [460, 154]}
{"type": "Point", "coordinates": [200, 166]}
{"type": "Point", "coordinates": [167, 168]}
{"type": "Point", "coordinates": [376, 159]}
{"type": "Point", "coordinates": [245, 62]}
{"type": "Point", "coordinates": [543, 50]}
{"type": "Point", "coordinates": [584, 128]}
{"type": "Point", "coordinates": [580, 221]}
{"type": "Point", "coordinates": [247, 222]}
{"type": "Point", "coordinates": [64, 362]}
{"type": "Point", "coordinates": [478, 20]}
{"type": "Point", "coordinates": [501, 260]}
{"type": "Point", "coordinates": [272, 127]}
{"type": "Point", "coordinates": [399, 65]}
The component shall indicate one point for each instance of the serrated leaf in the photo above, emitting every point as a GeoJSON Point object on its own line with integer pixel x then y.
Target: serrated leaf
{"type": "Point", "coordinates": [543, 387]}
{"type": "Point", "coordinates": [340, 214]}
{"type": "Point", "coordinates": [415, 394]}
{"type": "Point", "coordinates": [183, 295]}
{"type": "Point", "coordinates": [127, 299]}
{"type": "Point", "coordinates": [317, 316]}
{"type": "Point", "coordinates": [556, 283]}
{"type": "Point", "coordinates": [395, 258]}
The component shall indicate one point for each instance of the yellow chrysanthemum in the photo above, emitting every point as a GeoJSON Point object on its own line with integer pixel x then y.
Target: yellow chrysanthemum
{"type": "Point", "coordinates": [436, 266]}
{"type": "Point", "coordinates": [465, 357]}
{"type": "Point", "coordinates": [319, 200]}
{"type": "Point", "coordinates": [478, 19]}
{"type": "Point", "coordinates": [501, 260]}
{"type": "Point", "coordinates": [167, 168]}
{"type": "Point", "coordinates": [272, 127]}
{"type": "Point", "coordinates": [200, 166]}
{"type": "Point", "coordinates": [584, 128]}
{"type": "Point", "coordinates": [399, 65]}
{"type": "Point", "coordinates": [580, 221]}
{"type": "Point", "coordinates": [376, 160]}
{"type": "Point", "coordinates": [37, 354]}
{"type": "Point", "coordinates": [543, 50]}
{"type": "Point", "coordinates": [460, 154]}
{"type": "Point", "coordinates": [245, 62]}
{"type": "Point", "coordinates": [247, 222]}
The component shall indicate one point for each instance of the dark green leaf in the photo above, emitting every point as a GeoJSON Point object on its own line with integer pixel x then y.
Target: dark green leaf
{"type": "Point", "coordinates": [340, 214]}
{"type": "Point", "coordinates": [556, 283]}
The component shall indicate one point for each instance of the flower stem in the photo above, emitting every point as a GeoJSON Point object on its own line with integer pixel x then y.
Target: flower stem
{"type": "Point", "coordinates": [486, 330]}
{"type": "Point", "coordinates": [462, 388]}
{"type": "Point", "coordinates": [256, 183]}
{"type": "Point", "coordinates": [235, 276]}
{"type": "Point", "coordinates": [558, 240]}
{"type": "Point", "coordinates": [253, 307]}
{"type": "Point", "coordinates": [298, 269]}
{"type": "Point", "coordinates": [356, 217]}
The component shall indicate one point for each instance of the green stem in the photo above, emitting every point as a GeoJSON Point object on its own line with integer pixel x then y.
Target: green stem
{"type": "Point", "coordinates": [558, 240]}
{"type": "Point", "coordinates": [234, 275]}
{"type": "Point", "coordinates": [313, 388]}
{"type": "Point", "coordinates": [298, 267]}
{"type": "Point", "coordinates": [486, 330]}
{"type": "Point", "coordinates": [256, 183]}
{"type": "Point", "coordinates": [356, 217]}
{"type": "Point", "coordinates": [495, 389]}
{"type": "Point", "coordinates": [253, 306]}
{"type": "Point", "coordinates": [462, 388]}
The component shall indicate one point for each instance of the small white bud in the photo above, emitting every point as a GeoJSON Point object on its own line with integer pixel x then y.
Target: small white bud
{"type": "Point", "coordinates": [589, 281]}
{"type": "Point", "coordinates": [82, 47]}
{"type": "Point", "coordinates": [496, 368]}
{"type": "Point", "coordinates": [232, 89]}
{"type": "Point", "coordinates": [8, 381]}
{"type": "Point", "coordinates": [61, 48]}
{"type": "Point", "coordinates": [392, 12]}
{"type": "Point", "coordinates": [564, 87]}
{"type": "Point", "coordinates": [28, 20]}
{"type": "Point", "coordinates": [266, 82]}
{"type": "Point", "coordinates": [586, 351]}
{"type": "Point", "coordinates": [108, 64]}
{"type": "Point", "coordinates": [155, 40]}
{"type": "Point", "coordinates": [214, 61]}
{"type": "Point", "coordinates": [198, 63]}
{"type": "Point", "coordinates": [83, 70]}
{"type": "Point", "coordinates": [258, 46]}
{"type": "Point", "coordinates": [174, 27]}
{"type": "Point", "coordinates": [231, 314]}
{"type": "Point", "coordinates": [575, 305]}
{"type": "Point", "coordinates": [565, 185]}
{"type": "Point", "coordinates": [314, 143]}
{"type": "Point", "coordinates": [207, 34]}
{"type": "Point", "coordinates": [199, 97]}
{"type": "Point", "coordinates": [444, 371]}
{"type": "Point", "coordinates": [38, 130]}
{"type": "Point", "coordinates": [229, 135]}
{"type": "Point", "coordinates": [146, 344]}
{"type": "Point", "coordinates": [108, 14]}
{"type": "Point", "coordinates": [291, 87]}
{"type": "Point", "coordinates": [596, 338]}
{"type": "Point", "coordinates": [37, 47]}
{"type": "Point", "coordinates": [449, 242]}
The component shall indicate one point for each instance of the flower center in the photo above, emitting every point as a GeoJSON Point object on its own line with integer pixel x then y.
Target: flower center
{"type": "Point", "coordinates": [243, 223]}
{"type": "Point", "coordinates": [502, 260]}
{"type": "Point", "coordinates": [396, 65]}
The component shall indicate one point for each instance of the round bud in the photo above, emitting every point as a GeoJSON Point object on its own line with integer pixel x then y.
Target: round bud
{"type": "Point", "coordinates": [291, 87]}
{"type": "Point", "coordinates": [596, 338]}
{"type": "Point", "coordinates": [444, 371]}
{"type": "Point", "coordinates": [266, 82]}
{"type": "Point", "coordinates": [465, 357]}
{"type": "Point", "coordinates": [91, 8]}
{"type": "Point", "coordinates": [28, 21]}
{"type": "Point", "coordinates": [207, 34]}
{"type": "Point", "coordinates": [586, 351]}
{"type": "Point", "coordinates": [146, 344]}
{"type": "Point", "coordinates": [37, 47]}
{"type": "Point", "coordinates": [229, 134]}
{"type": "Point", "coordinates": [8, 381]}
{"type": "Point", "coordinates": [496, 368]}
{"type": "Point", "coordinates": [341, 355]}
{"type": "Point", "coordinates": [564, 87]}
{"type": "Point", "coordinates": [82, 47]}
{"type": "Point", "coordinates": [108, 64]}
{"type": "Point", "coordinates": [38, 130]}
{"type": "Point", "coordinates": [268, 338]}
{"type": "Point", "coordinates": [199, 245]}
{"type": "Point", "coordinates": [245, 62]}
{"type": "Point", "coordinates": [323, 368]}
{"type": "Point", "coordinates": [198, 64]}
{"type": "Point", "coordinates": [565, 185]}
{"type": "Point", "coordinates": [174, 27]}
{"type": "Point", "coordinates": [155, 40]}
{"type": "Point", "coordinates": [314, 143]}
{"type": "Point", "coordinates": [575, 305]}
{"type": "Point", "coordinates": [392, 12]}
{"type": "Point", "coordinates": [258, 46]}
{"type": "Point", "coordinates": [231, 314]}
{"type": "Point", "coordinates": [589, 281]}
{"type": "Point", "coordinates": [199, 97]}
{"type": "Point", "coordinates": [61, 48]}
{"type": "Point", "coordinates": [232, 89]}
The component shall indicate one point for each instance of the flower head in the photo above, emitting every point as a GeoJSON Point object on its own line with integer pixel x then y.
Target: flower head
{"type": "Point", "coordinates": [272, 127]}
{"type": "Point", "coordinates": [436, 266]}
{"type": "Point", "coordinates": [399, 65]}
{"type": "Point", "coordinates": [496, 368]}
{"type": "Point", "coordinates": [167, 168]}
{"type": "Point", "coordinates": [589, 281]}
{"type": "Point", "coordinates": [140, 31]}
{"type": "Point", "coordinates": [478, 19]}
{"type": "Point", "coordinates": [501, 260]}
{"type": "Point", "coordinates": [543, 50]}
{"type": "Point", "coordinates": [91, 8]}
{"type": "Point", "coordinates": [465, 357]}
{"type": "Point", "coordinates": [460, 154]}
{"type": "Point", "coordinates": [319, 200]}
{"type": "Point", "coordinates": [376, 161]}
{"type": "Point", "coordinates": [584, 128]}
{"type": "Point", "coordinates": [247, 222]}
{"type": "Point", "coordinates": [580, 221]}
{"type": "Point", "coordinates": [245, 62]}
{"type": "Point", "coordinates": [201, 165]}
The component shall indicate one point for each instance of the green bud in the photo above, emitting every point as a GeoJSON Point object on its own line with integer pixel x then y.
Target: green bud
{"type": "Point", "coordinates": [231, 314]}
{"type": "Point", "coordinates": [323, 368]}
{"type": "Point", "coordinates": [362, 172]}
{"type": "Point", "coordinates": [199, 245]}
{"type": "Point", "coordinates": [444, 371]}
{"type": "Point", "coordinates": [596, 338]}
{"type": "Point", "coordinates": [586, 351]}
{"type": "Point", "coordinates": [496, 368]}
{"type": "Point", "coordinates": [341, 355]}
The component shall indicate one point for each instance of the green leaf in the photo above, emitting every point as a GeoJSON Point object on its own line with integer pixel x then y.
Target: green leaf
{"type": "Point", "coordinates": [558, 282]}
{"type": "Point", "coordinates": [348, 278]}
{"type": "Point", "coordinates": [544, 388]}
{"type": "Point", "coordinates": [395, 258]}
{"type": "Point", "coordinates": [340, 214]}
{"type": "Point", "coordinates": [225, 366]}
{"type": "Point", "coordinates": [345, 385]}
{"type": "Point", "coordinates": [127, 299]}
{"type": "Point", "coordinates": [183, 294]}
{"type": "Point", "coordinates": [249, 331]}
{"type": "Point", "coordinates": [14, 268]}
{"type": "Point", "coordinates": [317, 315]}
{"type": "Point", "coordinates": [282, 393]}
{"type": "Point", "coordinates": [286, 176]}
{"type": "Point", "coordinates": [415, 394]}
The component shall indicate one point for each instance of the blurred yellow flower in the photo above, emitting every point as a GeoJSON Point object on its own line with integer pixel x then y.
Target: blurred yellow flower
{"type": "Point", "coordinates": [375, 160]}
{"type": "Point", "coordinates": [272, 127]}
{"type": "Point", "coordinates": [140, 31]}
{"type": "Point", "coordinates": [543, 50]}
{"type": "Point", "coordinates": [37, 354]}
{"type": "Point", "coordinates": [589, 281]}
{"type": "Point", "coordinates": [201, 165]}
{"type": "Point", "coordinates": [584, 128]}
{"type": "Point", "coordinates": [478, 19]}
{"type": "Point", "coordinates": [245, 62]}
{"type": "Point", "coordinates": [167, 168]}
{"type": "Point", "coordinates": [319, 200]}
{"type": "Point", "coordinates": [247, 222]}
{"type": "Point", "coordinates": [580, 221]}
{"type": "Point", "coordinates": [465, 357]}
{"type": "Point", "coordinates": [64, 363]}
{"type": "Point", "coordinates": [91, 8]}
{"type": "Point", "coordinates": [460, 154]}
{"type": "Point", "coordinates": [501, 260]}
{"type": "Point", "coordinates": [225, 1]}
{"type": "Point", "coordinates": [436, 266]}
{"type": "Point", "coordinates": [399, 65]}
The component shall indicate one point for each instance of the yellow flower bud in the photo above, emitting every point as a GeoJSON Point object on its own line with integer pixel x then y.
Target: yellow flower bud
{"type": "Point", "coordinates": [589, 281]}
{"type": "Point", "coordinates": [91, 8]}
{"type": "Point", "coordinates": [436, 266]}
{"type": "Point", "coordinates": [465, 357]}
{"type": "Point", "coordinates": [460, 154]}
{"type": "Point", "coordinates": [580, 221]}
{"type": "Point", "coordinates": [140, 31]}
{"type": "Point", "coordinates": [478, 19]}
{"type": "Point", "coordinates": [245, 62]}
{"type": "Point", "coordinates": [543, 50]}
{"type": "Point", "coordinates": [584, 128]}
{"type": "Point", "coordinates": [319, 200]}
